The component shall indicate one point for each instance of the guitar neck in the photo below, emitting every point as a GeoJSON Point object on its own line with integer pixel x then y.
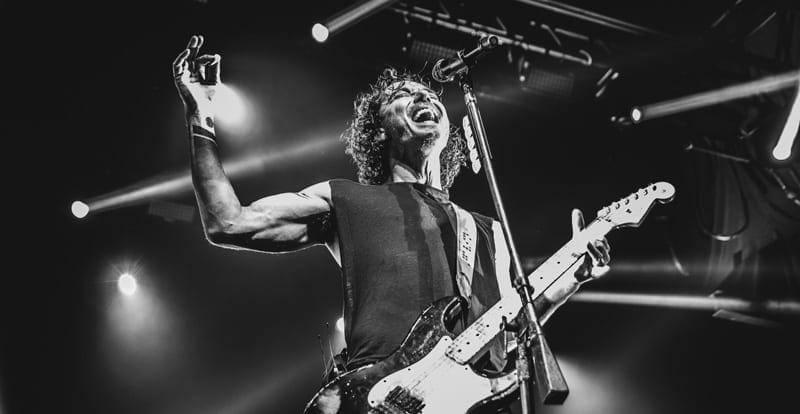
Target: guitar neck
{"type": "Point", "coordinates": [562, 260]}
{"type": "Point", "coordinates": [476, 337]}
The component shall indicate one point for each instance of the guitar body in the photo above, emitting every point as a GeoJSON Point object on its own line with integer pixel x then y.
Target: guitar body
{"type": "Point", "coordinates": [418, 378]}
{"type": "Point", "coordinates": [429, 373]}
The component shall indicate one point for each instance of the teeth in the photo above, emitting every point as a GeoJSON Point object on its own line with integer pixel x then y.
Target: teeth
{"type": "Point", "coordinates": [424, 114]}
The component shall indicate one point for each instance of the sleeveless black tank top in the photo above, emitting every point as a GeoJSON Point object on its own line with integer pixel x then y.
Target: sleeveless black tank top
{"type": "Point", "coordinates": [398, 250]}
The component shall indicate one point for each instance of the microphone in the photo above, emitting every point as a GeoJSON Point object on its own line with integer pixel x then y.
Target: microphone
{"type": "Point", "coordinates": [445, 70]}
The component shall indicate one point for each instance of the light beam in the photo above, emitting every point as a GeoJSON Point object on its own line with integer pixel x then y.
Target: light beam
{"type": "Point", "coordinates": [783, 148]}
{"type": "Point", "coordinates": [346, 18]}
{"type": "Point", "coordinates": [172, 184]}
{"type": "Point", "coordinates": [730, 93]}
{"type": "Point", "coordinates": [696, 302]}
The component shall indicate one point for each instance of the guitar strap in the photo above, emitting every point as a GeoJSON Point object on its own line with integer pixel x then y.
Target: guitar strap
{"type": "Point", "coordinates": [466, 254]}
{"type": "Point", "coordinates": [502, 261]}
{"type": "Point", "coordinates": [467, 237]}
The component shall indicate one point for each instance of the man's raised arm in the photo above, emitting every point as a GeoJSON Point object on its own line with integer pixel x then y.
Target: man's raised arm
{"type": "Point", "coordinates": [277, 223]}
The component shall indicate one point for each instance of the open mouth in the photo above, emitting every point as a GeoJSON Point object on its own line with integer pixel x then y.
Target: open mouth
{"type": "Point", "coordinates": [424, 113]}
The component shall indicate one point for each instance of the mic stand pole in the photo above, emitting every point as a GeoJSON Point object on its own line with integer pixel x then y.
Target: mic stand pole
{"type": "Point", "coordinates": [551, 386]}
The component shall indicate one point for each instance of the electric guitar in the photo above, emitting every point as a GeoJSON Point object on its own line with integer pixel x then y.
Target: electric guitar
{"type": "Point", "coordinates": [430, 373]}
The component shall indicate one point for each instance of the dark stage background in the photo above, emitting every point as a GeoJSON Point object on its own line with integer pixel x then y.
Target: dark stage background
{"type": "Point", "coordinates": [91, 109]}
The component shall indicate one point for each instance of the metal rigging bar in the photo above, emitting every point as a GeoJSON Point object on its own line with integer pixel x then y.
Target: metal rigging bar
{"type": "Point", "coordinates": [478, 30]}
{"type": "Point", "coordinates": [581, 14]}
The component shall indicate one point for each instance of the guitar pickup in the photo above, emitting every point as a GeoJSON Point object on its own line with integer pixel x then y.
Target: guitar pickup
{"type": "Point", "coordinates": [401, 399]}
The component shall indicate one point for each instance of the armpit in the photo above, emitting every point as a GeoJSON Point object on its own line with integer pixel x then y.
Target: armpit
{"type": "Point", "coordinates": [320, 227]}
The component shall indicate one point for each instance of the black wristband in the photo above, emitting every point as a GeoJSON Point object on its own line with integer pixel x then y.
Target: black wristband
{"type": "Point", "coordinates": [200, 132]}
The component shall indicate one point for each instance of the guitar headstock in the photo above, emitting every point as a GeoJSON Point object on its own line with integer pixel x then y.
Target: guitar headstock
{"type": "Point", "coordinates": [631, 210]}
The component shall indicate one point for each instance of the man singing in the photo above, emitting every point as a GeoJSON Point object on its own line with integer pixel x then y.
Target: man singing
{"type": "Point", "coordinates": [393, 234]}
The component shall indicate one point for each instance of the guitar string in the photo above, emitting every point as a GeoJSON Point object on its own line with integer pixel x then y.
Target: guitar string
{"type": "Point", "coordinates": [417, 380]}
{"type": "Point", "coordinates": [423, 375]}
{"type": "Point", "coordinates": [568, 250]}
{"type": "Point", "coordinates": [479, 327]}
{"type": "Point", "coordinates": [480, 330]}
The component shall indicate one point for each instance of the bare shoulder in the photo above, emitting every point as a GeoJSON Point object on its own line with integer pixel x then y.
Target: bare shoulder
{"type": "Point", "coordinates": [321, 190]}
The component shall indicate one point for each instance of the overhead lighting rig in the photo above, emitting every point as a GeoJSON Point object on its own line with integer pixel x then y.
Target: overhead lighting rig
{"type": "Point", "coordinates": [516, 38]}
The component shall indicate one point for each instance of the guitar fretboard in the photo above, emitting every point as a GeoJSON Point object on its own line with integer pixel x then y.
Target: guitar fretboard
{"type": "Point", "coordinates": [478, 335]}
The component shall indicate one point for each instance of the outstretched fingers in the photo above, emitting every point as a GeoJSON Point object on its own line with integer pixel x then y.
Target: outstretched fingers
{"type": "Point", "coordinates": [195, 42]}
{"type": "Point", "coordinates": [186, 59]}
{"type": "Point", "coordinates": [189, 66]}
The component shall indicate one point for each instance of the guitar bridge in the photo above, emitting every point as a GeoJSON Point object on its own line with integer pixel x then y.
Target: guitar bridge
{"type": "Point", "coordinates": [399, 401]}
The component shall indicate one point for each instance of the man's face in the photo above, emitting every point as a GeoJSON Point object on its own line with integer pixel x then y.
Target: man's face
{"type": "Point", "coordinates": [413, 115]}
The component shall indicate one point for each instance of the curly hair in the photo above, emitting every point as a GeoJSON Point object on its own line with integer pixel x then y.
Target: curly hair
{"type": "Point", "coordinates": [371, 155]}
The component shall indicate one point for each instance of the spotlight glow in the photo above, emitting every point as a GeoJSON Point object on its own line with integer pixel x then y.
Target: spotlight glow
{"type": "Point", "coordinates": [340, 324]}
{"type": "Point", "coordinates": [783, 148]}
{"type": "Point", "coordinates": [80, 209]}
{"type": "Point", "coordinates": [127, 284]}
{"type": "Point", "coordinates": [230, 107]}
{"type": "Point", "coordinates": [636, 114]}
{"type": "Point", "coordinates": [178, 183]}
{"type": "Point", "coordinates": [319, 32]}
{"type": "Point", "coordinates": [726, 94]}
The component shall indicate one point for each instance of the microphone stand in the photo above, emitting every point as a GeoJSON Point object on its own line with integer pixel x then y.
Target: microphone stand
{"type": "Point", "coordinates": [531, 344]}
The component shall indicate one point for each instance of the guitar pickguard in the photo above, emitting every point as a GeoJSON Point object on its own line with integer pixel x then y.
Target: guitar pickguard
{"type": "Point", "coordinates": [436, 384]}
{"type": "Point", "coordinates": [422, 354]}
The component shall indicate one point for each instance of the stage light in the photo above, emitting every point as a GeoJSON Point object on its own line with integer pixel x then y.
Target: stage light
{"type": "Point", "coordinates": [636, 114]}
{"type": "Point", "coordinates": [347, 18]}
{"type": "Point", "coordinates": [173, 184]}
{"type": "Point", "coordinates": [340, 324]}
{"type": "Point", "coordinates": [142, 340]}
{"type": "Point", "coordinates": [80, 209]}
{"type": "Point", "coordinates": [783, 148]}
{"type": "Point", "coordinates": [726, 94]}
{"type": "Point", "coordinates": [693, 302]}
{"type": "Point", "coordinates": [127, 284]}
{"type": "Point", "coordinates": [230, 106]}
{"type": "Point", "coordinates": [319, 32]}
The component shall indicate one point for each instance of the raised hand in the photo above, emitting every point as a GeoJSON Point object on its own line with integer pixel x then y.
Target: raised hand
{"type": "Point", "coordinates": [196, 78]}
{"type": "Point", "coordinates": [596, 262]}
